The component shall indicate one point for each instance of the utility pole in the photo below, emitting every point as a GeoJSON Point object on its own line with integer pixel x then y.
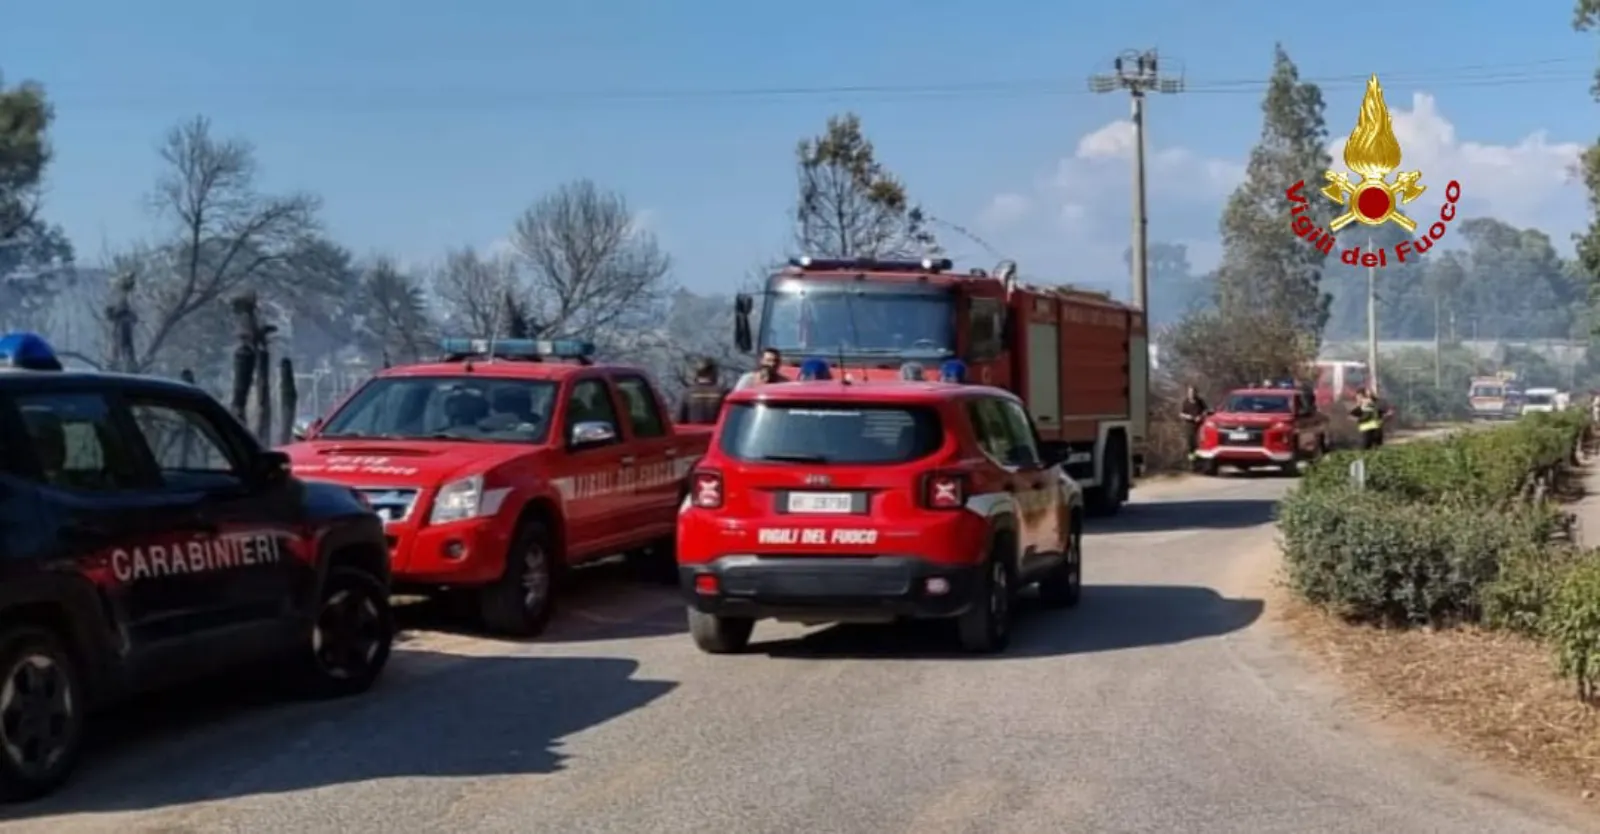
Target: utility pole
{"type": "Point", "coordinates": [1138, 73]}
{"type": "Point", "coordinates": [1372, 323]}
{"type": "Point", "coordinates": [1438, 367]}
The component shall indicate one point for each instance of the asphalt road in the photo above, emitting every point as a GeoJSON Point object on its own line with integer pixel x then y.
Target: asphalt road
{"type": "Point", "coordinates": [1165, 703]}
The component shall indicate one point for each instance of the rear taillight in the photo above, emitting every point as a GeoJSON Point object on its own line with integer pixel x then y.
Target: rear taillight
{"type": "Point", "coordinates": [1208, 434]}
{"type": "Point", "coordinates": [706, 489]}
{"type": "Point", "coordinates": [944, 490]}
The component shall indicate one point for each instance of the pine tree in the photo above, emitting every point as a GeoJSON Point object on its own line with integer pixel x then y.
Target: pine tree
{"type": "Point", "coordinates": [849, 205]}
{"type": "Point", "coordinates": [1266, 268]}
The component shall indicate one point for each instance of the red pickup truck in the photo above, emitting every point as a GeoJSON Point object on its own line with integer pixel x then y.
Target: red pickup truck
{"type": "Point", "coordinates": [1263, 427]}
{"type": "Point", "coordinates": [503, 464]}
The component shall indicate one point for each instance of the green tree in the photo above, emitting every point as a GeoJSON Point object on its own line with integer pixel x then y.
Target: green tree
{"type": "Point", "coordinates": [1265, 266]}
{"type": "Point", "coordinates": [25, 239]}
{"type": "Point", "coordinates": [1585, 18]}
{"type": "Point", "coordinates": [1270, 306]}
{"type": "Point", "coordinates": [849, 205]}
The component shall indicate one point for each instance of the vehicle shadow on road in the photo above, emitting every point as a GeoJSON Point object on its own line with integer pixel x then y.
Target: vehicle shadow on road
{"type": "Point", "coordinates": [433, 715]}
{"type": "Point", "coordinates": [1198, 513]}
{"type": "Point", "coordinates": [608, 601]}
{"type": "Point", "coordinates": [1109, 618]}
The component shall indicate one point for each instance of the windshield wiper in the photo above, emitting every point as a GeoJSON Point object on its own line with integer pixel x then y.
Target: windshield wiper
{"type": "Point", "coordinates": [795, 457]}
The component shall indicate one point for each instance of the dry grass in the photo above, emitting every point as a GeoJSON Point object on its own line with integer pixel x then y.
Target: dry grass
{"type": "Point", "coordinates": [1491, 693]}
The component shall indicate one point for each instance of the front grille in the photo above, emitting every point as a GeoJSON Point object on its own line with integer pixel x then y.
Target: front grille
{"type": "Point", "coordinates": [1251, 436]}
{"type": "Point", "coordinates": [391, 503]}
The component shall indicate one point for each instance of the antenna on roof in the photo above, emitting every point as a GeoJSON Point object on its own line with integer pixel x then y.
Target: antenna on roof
{"type": "Point", "coordinates": [494, 326]}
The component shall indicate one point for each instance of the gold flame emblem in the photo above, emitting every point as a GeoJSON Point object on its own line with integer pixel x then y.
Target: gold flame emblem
{"type": "Point", "coordinates": [1373, 152]}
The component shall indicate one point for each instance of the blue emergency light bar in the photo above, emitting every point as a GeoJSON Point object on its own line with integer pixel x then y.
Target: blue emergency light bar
{"type": "Point", "coordinates": [28, 352]}
{"type": "Point", "coordinates": [871, 264]}
{"type": "Point", "coordinates": [520, 348]}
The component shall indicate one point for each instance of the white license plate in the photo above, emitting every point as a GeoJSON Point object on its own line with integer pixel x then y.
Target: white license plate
{"type": "Point", "coordinates": [1238, 435]}
{"type": "Point", "coordinates": [820, 502]}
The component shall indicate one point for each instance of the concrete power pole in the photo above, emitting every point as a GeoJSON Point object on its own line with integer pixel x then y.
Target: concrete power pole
{"type": "Point", "coordinates": [1138, 73]}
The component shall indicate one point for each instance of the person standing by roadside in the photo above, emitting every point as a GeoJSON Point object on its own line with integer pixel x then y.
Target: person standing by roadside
{"type": "Point", "coordinates": [1368, 414]}
{"type": "Point", "coordinates": [703, 401]}
{"type": "Point", "coordinates": [767, 373]}
{"type": "Point", "coordinates": [1193, 411]}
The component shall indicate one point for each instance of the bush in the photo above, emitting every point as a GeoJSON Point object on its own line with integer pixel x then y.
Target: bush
{"type": "Point", "coordinates": [1375, 557]}
{"type": "Point", "coordinates": [1572, 624]}
{"type": "Point", "coordinates": [1493, 466]}
{"type": "Point", "coordinates": [1520, 596]}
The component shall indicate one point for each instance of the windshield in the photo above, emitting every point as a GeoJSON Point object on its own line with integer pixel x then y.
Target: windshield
{"type": "Point", "coordinates": [1487, 391]}
{"type": "Point", "coordinates": [1540, 399]}
{"type": "Point", "coordinates": [447, 408]}
{"type": "Point", "coordinates": [832, 320]}
{"type": "Point", "coordinates": [818, 434]}
{"type": "Point", "coordinates": [1257, 404]}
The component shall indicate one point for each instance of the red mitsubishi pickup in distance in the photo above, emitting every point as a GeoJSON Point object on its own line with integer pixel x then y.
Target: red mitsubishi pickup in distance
{"type": "Point", "coordinates": [504, 463]}
{"type": "Point", "coordinates": [1263, 427]}
{"type": "Point", "coordinates": [830, 502]}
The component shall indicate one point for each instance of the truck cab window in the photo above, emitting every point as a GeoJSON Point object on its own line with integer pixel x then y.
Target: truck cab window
{"type": "Point", "coordinates": [985, 323]}
{"type": "Point", "coordinates": [643, 412]}
{"type": "Point", "coordinates": [75, 443]}
{"type": "Point", "coordinates": [591, 402]}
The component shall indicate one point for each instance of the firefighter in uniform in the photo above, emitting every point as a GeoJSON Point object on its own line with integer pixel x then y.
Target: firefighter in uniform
{"type": "Point", "coordinates": [1368, 415]}
{"type": "Point", "coordinates": [1193, 412]}
{"type": "Point", "coordinates": [703, 401]}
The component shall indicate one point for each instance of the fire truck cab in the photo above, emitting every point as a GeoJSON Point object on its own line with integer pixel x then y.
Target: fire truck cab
{"type": "Point", "coordinates": [1078, 359]}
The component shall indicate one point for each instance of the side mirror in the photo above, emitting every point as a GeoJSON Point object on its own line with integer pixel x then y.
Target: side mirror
{"type": "Point", "coordinates": [592, 432]}
{"type": "Point", "coordinates": [272, 467]}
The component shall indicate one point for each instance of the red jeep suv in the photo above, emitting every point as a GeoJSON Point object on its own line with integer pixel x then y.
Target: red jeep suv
{"type": "Point", "coordinates": [832, 502]}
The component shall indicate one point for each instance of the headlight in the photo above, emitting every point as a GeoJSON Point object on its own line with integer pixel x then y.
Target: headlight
{"type": "Point", "coordinates": [458, 500]}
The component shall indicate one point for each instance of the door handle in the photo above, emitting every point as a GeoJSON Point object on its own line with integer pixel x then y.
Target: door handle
{"type": "Point", "coordinates": [627, 460]}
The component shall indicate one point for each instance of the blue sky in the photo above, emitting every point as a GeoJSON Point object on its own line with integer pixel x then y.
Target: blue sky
{"type": "Point", "coordinates": [429, 125]}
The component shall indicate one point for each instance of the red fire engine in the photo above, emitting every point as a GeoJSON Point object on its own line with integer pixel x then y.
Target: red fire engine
{"type": "Point", "coordinates": [1078, 359]}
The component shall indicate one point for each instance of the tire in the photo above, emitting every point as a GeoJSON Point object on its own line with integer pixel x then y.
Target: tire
{"type": "Point", "coordinates": [1106, 499]}
{"type": "Point", "coordinates": [42, 713]}
{"type": "Point", "coordinates": [351, 637]}
{"type": "Point", "coordinates": [1062, 587]}
{"type": "Point", "coordinates": [720, 635]}
{"type": "Point", "coordinates": [521, 602]}
{"type": "Point", "coordinates": [985, 628]}
{"type": "Point", "coordinates": [1209, 468]}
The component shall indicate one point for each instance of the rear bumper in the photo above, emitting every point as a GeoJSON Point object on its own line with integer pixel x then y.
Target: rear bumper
{"type": "Point", "coordinates": [831, 589]}
{"type": "Point", "coordinates": [1244, 454]}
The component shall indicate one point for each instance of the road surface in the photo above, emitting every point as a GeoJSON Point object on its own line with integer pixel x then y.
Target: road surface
{"type": "Point", "coordinates": [1164, 703]}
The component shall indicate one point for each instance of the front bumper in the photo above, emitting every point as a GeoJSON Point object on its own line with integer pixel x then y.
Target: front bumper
{"type": "Point", "coordinates": [1244, 454]}
{"type": "Point", "coordinates": [831, 588]}
{"type": "Point", "coordinates": [468, 552]}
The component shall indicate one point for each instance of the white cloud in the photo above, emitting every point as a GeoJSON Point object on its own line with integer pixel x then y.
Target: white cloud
{"type": "Point", "coordinates": [1004, 209]}
{"type": "Point", "coordinates": [1079, 214]}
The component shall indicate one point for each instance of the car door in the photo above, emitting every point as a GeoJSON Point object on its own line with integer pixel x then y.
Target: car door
{"type": "Point", "coordinates": [99, 509]}
{"type": "Point", "coordinates": [654, 499]}
{"type": "Point", "coordinates": [592, 473]}
{"type": "Point", "coordinates": [247, 568]}
{"type": "Point", "coordinates": [1025, 484]}
{"type": "Point", "coordinates": [1038, 490]}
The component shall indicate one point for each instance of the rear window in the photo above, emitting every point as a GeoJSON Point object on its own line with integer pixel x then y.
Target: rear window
{"type": "Point", "coordinates": [828, 434]}
{"type": "Point", "coordinates": [1258, 404]}
{"type": "Point", "coordinates": [1487, 391]}
{"type": "Point", "coordinates": [1540, 399]}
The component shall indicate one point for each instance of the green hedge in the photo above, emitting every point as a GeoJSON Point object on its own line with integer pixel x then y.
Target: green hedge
{"type": "Point", "coordinates": [1453, 530]}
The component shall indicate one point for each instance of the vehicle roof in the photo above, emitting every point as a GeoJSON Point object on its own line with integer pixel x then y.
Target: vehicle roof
{"type": "Point", "coordinates": [879, 391]}
{"type": "Point", "coordinates": [501, 369]}
{"type": "Point", "coordinates": [12, 379]}
{"type": "Point", "coordinates": [1260, 390]}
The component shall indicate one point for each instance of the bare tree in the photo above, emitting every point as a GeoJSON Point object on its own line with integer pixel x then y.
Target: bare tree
{"type": "Point", "coordinates": [850, 206]}
{"type": "Point", "coordinates": [472, 290]}
{"type": "Point", "coordinates": [396, 322]}
{"type": "Point", "coordinates": [590, 269]}
{"type": "Point", "coordinates": [226, 235]}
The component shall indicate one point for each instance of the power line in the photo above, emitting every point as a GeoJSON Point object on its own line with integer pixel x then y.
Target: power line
{"type": "Point", "coordinates": [1542, 72]}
